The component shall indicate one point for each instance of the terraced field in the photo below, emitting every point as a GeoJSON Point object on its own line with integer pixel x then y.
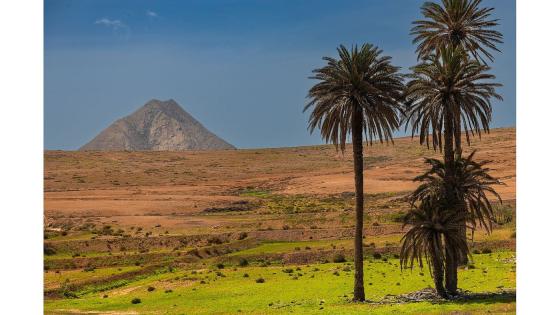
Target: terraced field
{"type": "Point", "coordinates": [192, 232]}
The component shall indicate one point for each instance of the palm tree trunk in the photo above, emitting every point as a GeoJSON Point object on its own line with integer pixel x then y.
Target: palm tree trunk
{"type": "Point", "coordinates": [463, 260]}
{"type": "Point", "coordinates": [437, 274]}
{"type": "Point", "coordinates": [450, 272]}
{"type": "Point", "coordinates": [449, 158]}
{"type": "Point", "coordinates": [357, 127]}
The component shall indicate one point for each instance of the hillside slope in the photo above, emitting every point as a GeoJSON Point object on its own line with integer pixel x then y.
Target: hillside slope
{"type": "Point", "coordinates": [157, 126]}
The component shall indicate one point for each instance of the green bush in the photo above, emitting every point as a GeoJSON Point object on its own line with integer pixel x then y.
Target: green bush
{"type": "Point", "coordinates": [243, 262]}
{"type": "Point", "coordinates": [259, 280]}
{"type": "Point", "coordinates": [376, 255]}
{"type": "Point", "coordinates": [136, 301]}
{"type": "Point", "coordinates": [220, 266]}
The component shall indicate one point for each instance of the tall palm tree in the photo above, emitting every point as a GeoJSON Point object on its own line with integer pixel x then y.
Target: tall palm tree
{"type": "Point", "coordinates": [434, 235]}
{"type": "Point", "coordinates": [473, 184]}
{"type": "Point", "coordinates": [457, 23]}
{"type": "Point", "coordinates": [360, 94]}
{"type": "Point", "coordinates": [446, 90]}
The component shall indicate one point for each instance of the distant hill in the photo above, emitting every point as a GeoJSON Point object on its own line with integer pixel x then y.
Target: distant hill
{"type": "Point", "coordinates": [157, 126]}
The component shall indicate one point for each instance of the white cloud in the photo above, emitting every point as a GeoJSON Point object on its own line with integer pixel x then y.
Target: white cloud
{"type": "Point", "coordinates": [151, 13]}
{"type": "Point", "coordinates": [115, 24]}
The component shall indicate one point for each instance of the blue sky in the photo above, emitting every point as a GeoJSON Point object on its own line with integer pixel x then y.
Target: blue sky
{"type": "Point", "coordinates": [239, 67]}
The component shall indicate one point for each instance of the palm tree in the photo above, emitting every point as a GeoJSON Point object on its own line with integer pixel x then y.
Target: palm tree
{"type": "Point", "coordinates": [473, 184]}
{"type": "Point", "coordinates": [358, 94]}
{"type": "Point", "coordinates": [446, 90]}
{"type": "Point", "coordinates": [434, 235]}
{"type": "Point", "coordinates": [458, 23]}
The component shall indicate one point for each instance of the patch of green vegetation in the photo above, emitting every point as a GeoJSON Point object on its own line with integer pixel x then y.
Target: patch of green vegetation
{"type": "Point", "coordinates": [55, 279]}
{"type": "Point", "coordinates": [288, 204]}
{"type": "Point", "coordinates": [285, 247]}
{"type": "Point", "coordinates": [317, 291]}
{"type": "Point", "coordinates": [504, 214]}
{"type": "Point", "coordinates": [370, 161]}
{"type": "Point", "coordinates": [253, 192]}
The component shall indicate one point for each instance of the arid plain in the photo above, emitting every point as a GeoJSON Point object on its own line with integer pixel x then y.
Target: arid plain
{"type": "Point", "coordinates": [114, 220]}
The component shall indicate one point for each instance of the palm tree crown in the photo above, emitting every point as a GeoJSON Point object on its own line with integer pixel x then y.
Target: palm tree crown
{"type": "Point", "coordinates": [456, 23]}
{"type": "Point", "coordinates": [449, 85]}
{"type": "Point", "coordinates": [361, 82]}
{"type": "Point", "coordinates": [434, 233]}
{"type": "Point", "coordinates": [472, 185]}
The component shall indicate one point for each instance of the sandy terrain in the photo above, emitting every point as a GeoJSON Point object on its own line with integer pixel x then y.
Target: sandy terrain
{"type": "Point", "coordinates": [136, 188]}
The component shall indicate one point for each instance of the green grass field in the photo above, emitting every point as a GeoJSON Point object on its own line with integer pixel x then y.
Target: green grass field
{"type": "Point", "coordinates": [314, 289]}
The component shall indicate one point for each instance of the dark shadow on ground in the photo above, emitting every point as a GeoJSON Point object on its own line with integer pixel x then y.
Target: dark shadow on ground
{"type": "Point", "coordinates": [464, 297]}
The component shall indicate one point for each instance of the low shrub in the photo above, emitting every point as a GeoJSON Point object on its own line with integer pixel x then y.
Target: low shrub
{"type": "Point", "coordinates": [339, 258]}
{"type": "Point", "coordinates": [376, 255]}
{"type": "Point", "coordinates": [486, 250]}
{"type": "Point", "coordinates": [214, 240]}
{"type": "Point", "coordinates": [136, 301]}
{"type": "Point", "coordinates": [243, 262]}
{"type": "Point", "coordinates": [259, 280]}
{"type": "Point", "coordinates": [220, 266]}
{"type": "Point", "coordinates": [242, 236]}
{"type": "Point", "coordinates": [150, 289]}
{"type": "Point", "coordinates": [48, 250]}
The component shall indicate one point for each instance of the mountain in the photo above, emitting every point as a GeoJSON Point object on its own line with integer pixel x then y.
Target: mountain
{"type": "Point", "coordinates": [157, 126]}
